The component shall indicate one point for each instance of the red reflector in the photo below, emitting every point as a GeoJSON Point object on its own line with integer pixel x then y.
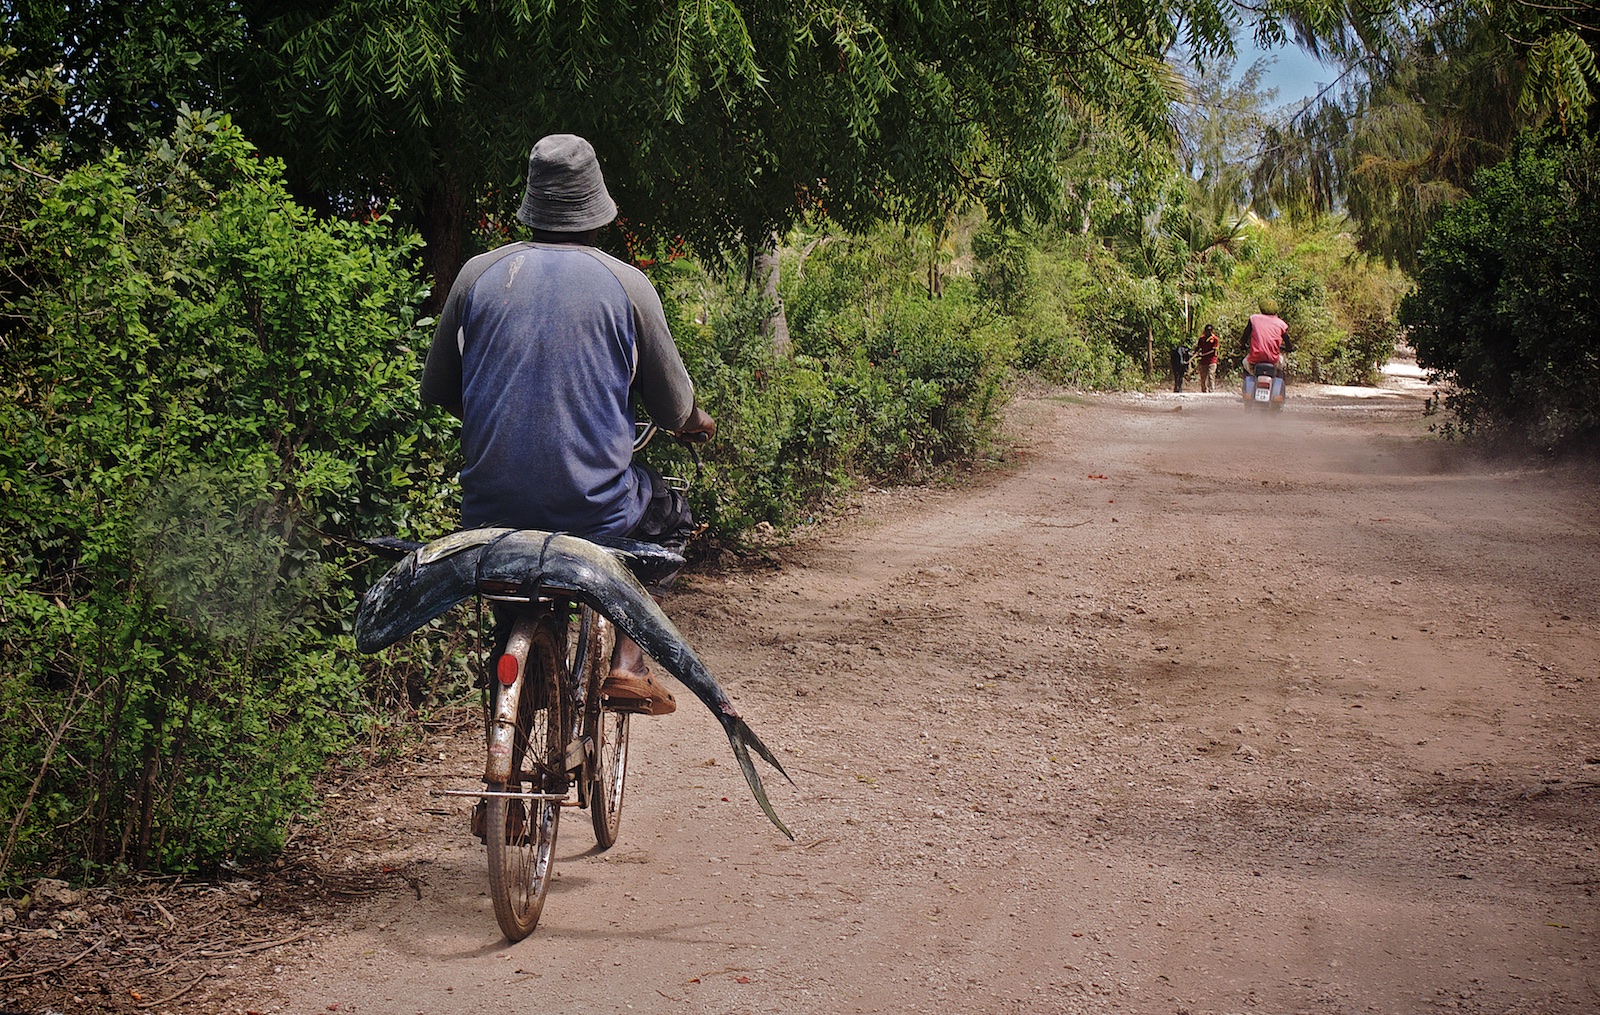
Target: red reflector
{"type": "Point", "coordinates": [506, 669]}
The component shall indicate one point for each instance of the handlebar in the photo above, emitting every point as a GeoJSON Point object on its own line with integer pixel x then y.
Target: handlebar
{"type": "Point", "coordinates": [644, 432]}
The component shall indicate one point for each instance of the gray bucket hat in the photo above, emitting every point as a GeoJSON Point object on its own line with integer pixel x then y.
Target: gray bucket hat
{"type": "Point", "coordinates": [566, 193]}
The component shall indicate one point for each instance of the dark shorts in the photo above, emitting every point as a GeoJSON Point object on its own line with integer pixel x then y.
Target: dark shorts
{"type": "Point", "coordinates": [667, 520]}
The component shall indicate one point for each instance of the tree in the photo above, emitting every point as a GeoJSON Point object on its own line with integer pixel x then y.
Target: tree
{"type": "Point", "coordinates": [1431, 96]}
{"type": "Point", "coordinates": [1179, 244]}
{"type": "Point", "coordinates": [1507, 304]}
{"type": "Point", "coordinates": [128, 65]}
{"type": "Point", "coordinates": [719, 121]}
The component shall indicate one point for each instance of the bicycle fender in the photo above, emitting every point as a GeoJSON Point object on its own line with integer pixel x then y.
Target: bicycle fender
{"type": "Point", "coordinates": [435, 577]}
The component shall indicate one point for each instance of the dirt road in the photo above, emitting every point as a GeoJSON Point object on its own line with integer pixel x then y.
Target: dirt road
{"type": "Point", "coordinates": [1186, 708]}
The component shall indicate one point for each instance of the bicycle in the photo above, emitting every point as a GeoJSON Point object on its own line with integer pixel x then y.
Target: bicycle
{"type": "Point", "coordinates": [551, 741]}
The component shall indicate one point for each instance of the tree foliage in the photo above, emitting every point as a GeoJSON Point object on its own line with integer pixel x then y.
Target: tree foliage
{"type": "Point", "coordinates": [1430, 96]}
{"type": "Point", "coordinates": [1179, 237]}
{"type": "Point", "coordinates": [202, 382]}
{"type": "Point", "coordinates": [1507, 305]}
{"type": "Point", "coordinates": [129, 65]}
{"type": "Point", "coordinates": [722, 122]}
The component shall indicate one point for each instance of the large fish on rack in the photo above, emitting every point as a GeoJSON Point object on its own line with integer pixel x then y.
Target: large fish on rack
{"type": "Point", "coordinates": [433, 577]}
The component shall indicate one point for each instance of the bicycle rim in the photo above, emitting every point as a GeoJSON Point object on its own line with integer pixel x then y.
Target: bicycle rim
{"type": "Point", "coordinates": [605, 733]}
{"type": "Point", "coordinates": [610, 738]}
{"type": "Point", "coordinates": [522, 833]}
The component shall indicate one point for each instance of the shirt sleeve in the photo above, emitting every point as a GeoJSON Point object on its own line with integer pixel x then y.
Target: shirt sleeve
{"type": "Point", "coordinates": [660, 380]}
{"type": "Point", "coordinates": [441, 373]}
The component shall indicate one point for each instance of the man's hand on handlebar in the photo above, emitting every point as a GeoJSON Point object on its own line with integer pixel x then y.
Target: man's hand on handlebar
{"type": "Point", "coordinates": [699, 428]}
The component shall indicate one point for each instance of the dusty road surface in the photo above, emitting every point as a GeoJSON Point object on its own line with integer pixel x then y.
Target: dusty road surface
{"type": "Point", "coordinates": [1186, 708]}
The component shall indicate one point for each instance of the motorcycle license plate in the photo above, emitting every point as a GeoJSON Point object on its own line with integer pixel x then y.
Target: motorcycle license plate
{"type": "Point", "coordinates": [1264, 391]}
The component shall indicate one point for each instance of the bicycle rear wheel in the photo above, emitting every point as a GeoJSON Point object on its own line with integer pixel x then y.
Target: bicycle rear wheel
{"type": "Point", "coordinates": [521, 833]}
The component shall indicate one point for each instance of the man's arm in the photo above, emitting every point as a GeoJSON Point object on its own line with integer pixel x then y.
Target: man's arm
{"type": "Point", "coordinates": [441, 373]}
{"type": "Point", "coordinates": [699, 428]}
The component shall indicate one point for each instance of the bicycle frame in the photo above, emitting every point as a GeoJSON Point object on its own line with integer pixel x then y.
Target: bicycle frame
{"type": "Point", "coordinates": [583, 672]}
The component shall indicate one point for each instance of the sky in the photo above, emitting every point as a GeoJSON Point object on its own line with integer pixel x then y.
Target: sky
{"type": "Point", "coordinates": [1293, 73]}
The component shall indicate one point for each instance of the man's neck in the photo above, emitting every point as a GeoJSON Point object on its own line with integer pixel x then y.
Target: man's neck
{"type": "Point", "coordinates": [585, 238]}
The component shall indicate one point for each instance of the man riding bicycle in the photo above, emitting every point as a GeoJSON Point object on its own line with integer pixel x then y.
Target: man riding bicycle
{"type": "Point", "coordinates": [540, 350]}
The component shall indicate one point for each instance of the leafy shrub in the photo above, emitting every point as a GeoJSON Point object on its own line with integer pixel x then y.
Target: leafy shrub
{"type": "Point", "coordinates": [203, 382]}
{"type": "Point", "coordinates": [1056, 299]}
{"type": "Point", "coordinates": [884, 383]}
{"type": "Point", "coordinates": [1508, 295]}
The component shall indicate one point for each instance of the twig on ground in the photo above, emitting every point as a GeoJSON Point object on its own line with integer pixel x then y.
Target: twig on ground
{"type": "Point", "coordinates": [54, 969]}
{"type": "Point", "coordinates": [173, 997]}
{"type": "Point", "coordinates": [259, 946]}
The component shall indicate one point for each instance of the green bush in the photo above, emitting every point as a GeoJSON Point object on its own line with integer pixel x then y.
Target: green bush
{"type": "Point", "coordinates": [883, 382]}
{"type": "Point", "coordinates": [203, 382]}
{"type": "Point", "coordinates": [1508, 294]}
{"type": "Point", "coordinates": [1061, 299]}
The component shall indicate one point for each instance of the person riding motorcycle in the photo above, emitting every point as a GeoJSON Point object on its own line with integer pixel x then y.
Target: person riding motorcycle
{"type": "Point", "coordinates": [1265, 339]}
{"type": "Point", "coordinates": [541, 350]}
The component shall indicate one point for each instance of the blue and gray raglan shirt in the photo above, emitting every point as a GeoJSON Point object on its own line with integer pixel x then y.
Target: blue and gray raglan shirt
{"type": "Point", "coordinates": [541, 347]}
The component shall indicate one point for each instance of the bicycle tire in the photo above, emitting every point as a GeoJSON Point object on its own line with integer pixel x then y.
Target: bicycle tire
{"type": "Point", "coordinates": [609, 735]}
{"type": "Point", "coordinates": [605, 733]}
{"type": "Point", "coordinates": [521, 834]}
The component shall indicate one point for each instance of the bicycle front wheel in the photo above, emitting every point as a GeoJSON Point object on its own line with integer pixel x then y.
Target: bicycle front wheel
{"type": "Point", "coordinates": [521, 832]}
{"type": "Point", "coordinates": [610, 739]}
{"type": "Point", "coordinates": [605, 733]}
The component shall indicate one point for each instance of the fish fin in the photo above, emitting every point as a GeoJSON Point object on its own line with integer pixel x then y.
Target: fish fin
{"type": "Point", "coordinates": [742, 739]}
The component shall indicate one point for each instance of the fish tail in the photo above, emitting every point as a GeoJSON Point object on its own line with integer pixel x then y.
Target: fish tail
{"type": "Point", "coordinates": [742, 738]}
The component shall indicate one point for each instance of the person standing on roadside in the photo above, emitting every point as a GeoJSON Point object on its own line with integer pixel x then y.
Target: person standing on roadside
{"type": "Point", "coordinates": [541, 349]}
{"type": "Point", "coordinates": [1205, 351]}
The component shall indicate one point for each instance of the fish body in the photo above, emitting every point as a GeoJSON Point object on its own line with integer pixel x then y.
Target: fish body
{"type": "Point", "coordinates": [432, 578]}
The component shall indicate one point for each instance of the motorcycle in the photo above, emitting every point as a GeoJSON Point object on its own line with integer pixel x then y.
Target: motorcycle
{"type": "Point", "coordinates": [1265, 385]}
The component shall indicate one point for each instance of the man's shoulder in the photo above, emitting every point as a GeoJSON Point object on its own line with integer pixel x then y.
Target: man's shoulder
{"type": "Point", "coordinates": [635, 283]}
{"type": "Point", "coordinates": [489, 257]}
{"type": "Point", "coordinates": [617, 266]}
{"type": "Point", "coordinates": [479, 265]}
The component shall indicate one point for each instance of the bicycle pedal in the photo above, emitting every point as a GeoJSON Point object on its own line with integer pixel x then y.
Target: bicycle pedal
{"type": "Point", "coordinates": [479, 815]}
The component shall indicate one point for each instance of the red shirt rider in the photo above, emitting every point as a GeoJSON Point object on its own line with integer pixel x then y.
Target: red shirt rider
{"type": "Point", "coordinates": [1265, 333]}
